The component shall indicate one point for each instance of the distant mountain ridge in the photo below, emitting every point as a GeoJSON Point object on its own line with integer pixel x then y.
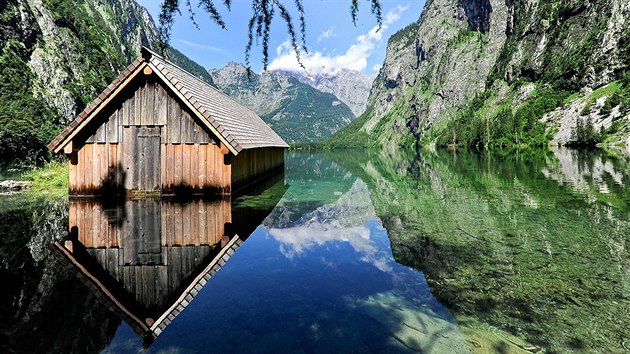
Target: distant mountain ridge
{"type": "Point", "coordinates": [350, 86]}
{"type": "Point", "coordinates": [296, 111]}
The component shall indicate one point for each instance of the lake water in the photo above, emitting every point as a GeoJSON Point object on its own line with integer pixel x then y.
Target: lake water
{"type": "Point", "coordinates": [350, 252]}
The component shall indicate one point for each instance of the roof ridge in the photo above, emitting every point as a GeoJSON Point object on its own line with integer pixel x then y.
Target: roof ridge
{"type": "Point", "coordinates": [195, 103]}
{"type": "Point", "coordinates": [203, 82]}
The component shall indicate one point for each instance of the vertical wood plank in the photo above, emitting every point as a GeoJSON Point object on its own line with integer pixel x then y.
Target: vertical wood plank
{"type": "Point", "coordinates": [124, 110]}
{"type": "Point", "coordinates": [186, 223]}
{"type": "Point", "coordinates": [87, 225]}
{"type": "Point", "coordinates": [177, 164]}
{"type": "Point", "coordinates": [163, 162]}
{"type": "Point", "coordinates": [149, 105]}
{"type": "Point", "coordinates": [87, 148]}
{"type": "Point", "coordinates": [72, 176]}
{"type": "Point", "coordinates": [162, 105]}
{"type": "Point", "coordinates": [81, 162]}
{"type": "Point", "coordinates": [203, 182]}
{"type": "Point", "coordinates": [112, 132]}
{"type": "Point", "coordinates": [210, 165]}
{"type": "Point", "coordinates": [170, 225]}
{"type": "Point", "coordinates": [140, 294]}
{"type": "Point", "coordinates": [194, 166]}
{"type": "Point", "coordinates": [194, 222]}
{"type": "Point", "coordinates": [167, 161]}
{"type": "Point", "coordinates": [186, 162]}
{"type": "Point", "coordinates": [112, 262]}
{"type": "Point", "coordinates": [227, 175]}
{"type": "Point", "coordinates": [178, 236]}
{"type": "Point", "coordinates": [128, 156]}
{"type": "Point", "coordinates": [156, 147]}
{"type": "Point", "coordinates": [138, 105]}
{"type": "Point", "coordinates": [104, 161]}
{"type": "Point", "coordinates": [120, 174]}
{"type": "Point", "coordinates": [202, 215]}
{"type": "Point", "coordinates": [111, 164]}
{"type": "Point", "coordinates": [175, 268]}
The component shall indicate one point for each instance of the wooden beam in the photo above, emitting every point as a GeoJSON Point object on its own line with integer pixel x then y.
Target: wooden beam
{"type": "Point", "coordinates": [147, 70]}
{"type": "Point", "coordinates": [224, 149]}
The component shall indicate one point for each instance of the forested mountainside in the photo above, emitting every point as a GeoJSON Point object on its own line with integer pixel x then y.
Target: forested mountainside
{"type": "Point", "coordinates": [296, 111]}
{"type": "Point", "coordinates": [350, 86]}
{"type": "Point", "coordinates": [56, 56]}
{"type": "Point", "coordinates": [503, 74]}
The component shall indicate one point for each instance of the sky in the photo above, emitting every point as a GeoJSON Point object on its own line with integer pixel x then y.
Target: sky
{"type": "Point", "coordinates": [332, 40]}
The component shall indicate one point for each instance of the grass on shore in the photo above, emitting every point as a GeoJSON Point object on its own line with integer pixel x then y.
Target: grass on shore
{"type": "Point", "coordinates": [48, 180]}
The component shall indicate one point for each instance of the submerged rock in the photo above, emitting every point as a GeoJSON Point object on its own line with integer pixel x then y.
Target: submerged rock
{"type": "Point", "coordinates": [9, 186]}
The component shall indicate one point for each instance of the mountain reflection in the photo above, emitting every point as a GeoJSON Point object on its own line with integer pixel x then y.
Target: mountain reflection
{"type": "Point", "coordinates": [147, 259]}
{"type": "Point", "coordinates": [535, 245]}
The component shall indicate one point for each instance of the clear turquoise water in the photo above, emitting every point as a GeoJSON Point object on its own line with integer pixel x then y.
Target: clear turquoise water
{"type": "Point", "coordinates": [364, 252]}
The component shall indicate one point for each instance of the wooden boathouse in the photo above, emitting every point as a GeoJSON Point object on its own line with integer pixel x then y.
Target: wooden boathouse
{"type": "Point", "coordinates": [157, 129]}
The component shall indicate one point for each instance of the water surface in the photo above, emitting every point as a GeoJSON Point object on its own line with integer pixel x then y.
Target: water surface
{"type": "Point", "coordinates": [350, 252]}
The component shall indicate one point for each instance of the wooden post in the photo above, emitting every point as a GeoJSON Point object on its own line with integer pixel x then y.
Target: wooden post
{"type": "Point", "coordinates": [224, 149]}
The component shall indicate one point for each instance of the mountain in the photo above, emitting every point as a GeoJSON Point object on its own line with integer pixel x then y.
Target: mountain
{"type": "Point", "coordinates": [56, 56]}
{"type": "Point", "coordinates": [350, 86]}
{"type": "Point", "coordinates": [296, 111]}
{"type": "Point", "coordinates": [491, 73]}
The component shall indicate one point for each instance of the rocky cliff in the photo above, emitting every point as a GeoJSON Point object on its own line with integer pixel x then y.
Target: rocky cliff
{"type": "Point", "coordinates": [296, 111]}
{"type": "Point", "coordinates": [504, 73]}
{"type": "Point", "coordinates": [351, 87]}
{"type": "Point", "coordinates": [56, 56]}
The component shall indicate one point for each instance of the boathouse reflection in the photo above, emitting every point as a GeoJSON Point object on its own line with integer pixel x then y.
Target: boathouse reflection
{"type": "Point", "coordinates": [147, 259]}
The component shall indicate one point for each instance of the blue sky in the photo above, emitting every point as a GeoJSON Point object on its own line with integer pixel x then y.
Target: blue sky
{"type": "Point", "coordinates": [333, 41]}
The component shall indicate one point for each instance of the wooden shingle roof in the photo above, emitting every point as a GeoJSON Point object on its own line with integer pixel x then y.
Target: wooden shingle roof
{"type": "Point", "coordinates": [238, 127]}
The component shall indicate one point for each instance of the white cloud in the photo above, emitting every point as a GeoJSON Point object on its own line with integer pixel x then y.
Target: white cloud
{"type": "Point", "coordinates": [376, 68]}
{"type": "Point", "coordinates": [355, 58]}
{"type": "Point", "coordinates": [329, 33]}
{"type": "Point", "coordinates": [202, 46]}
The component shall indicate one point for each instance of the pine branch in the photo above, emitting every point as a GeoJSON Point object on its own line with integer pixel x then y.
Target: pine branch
{"type": "Point", "coordinates": [354, 10]}
{"type": "Point", "coordinates": [165, 19]}
{"type": "Point", "coordinates": [191, 14]}
{"type": "Point", "coordinates": [214, 13]}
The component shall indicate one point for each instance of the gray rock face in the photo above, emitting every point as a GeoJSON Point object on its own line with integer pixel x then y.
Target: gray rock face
{"type": "Point", "coordinates": [10, 186]}
{"type": "Point", "coordinates": [69, 68]}
{"type": "Point", "coordinates": [296, 111]}
{"type": "Point", "coordinates": [351, 87]}
{"type": "Point", "coordinates": [58, 64]}
{"type": "Point", "coordinates": [461, 48]}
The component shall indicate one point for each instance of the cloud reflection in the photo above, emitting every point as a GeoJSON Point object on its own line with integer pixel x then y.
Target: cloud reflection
{"type": "Point", "coordinates": [351, 219]}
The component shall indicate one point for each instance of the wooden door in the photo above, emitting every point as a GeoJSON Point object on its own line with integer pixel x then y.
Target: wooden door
{"type": "Point", "coordinates": [141, 159]}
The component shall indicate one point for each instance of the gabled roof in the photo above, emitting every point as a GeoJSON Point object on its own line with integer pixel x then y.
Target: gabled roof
{"type": "Point", "coordinates": [117, 300]}
{"type": "Point", "coordinates": [238, 127]}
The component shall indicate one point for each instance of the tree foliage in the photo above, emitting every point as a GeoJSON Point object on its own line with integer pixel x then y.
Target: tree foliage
{"type": "Point", "coordinates": [259, 24]}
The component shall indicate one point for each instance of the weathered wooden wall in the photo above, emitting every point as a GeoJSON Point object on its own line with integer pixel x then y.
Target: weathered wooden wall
{"type": "Point", "coordinates": [250, 165]}
{"type": "Point", "coordinates": [194, 168]}
{"type": "Point", "coordinates": [148, 141]}
{"type": "Point", "coordinates": [151, 246]}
